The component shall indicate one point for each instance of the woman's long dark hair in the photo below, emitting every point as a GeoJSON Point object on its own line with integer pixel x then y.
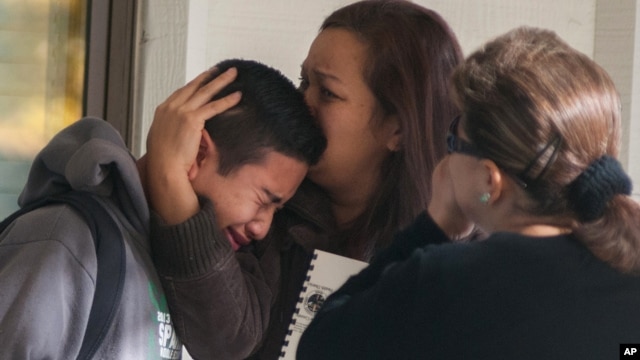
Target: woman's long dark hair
{"type": "Point", "coordinates": [412, 53]}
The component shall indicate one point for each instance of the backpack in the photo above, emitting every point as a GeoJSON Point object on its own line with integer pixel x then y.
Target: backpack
{"type": "Point", "coordinates": [110, 253]}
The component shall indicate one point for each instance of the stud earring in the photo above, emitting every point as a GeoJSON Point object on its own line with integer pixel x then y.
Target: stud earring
{"type": "Point", "coordinates": [484, 198]}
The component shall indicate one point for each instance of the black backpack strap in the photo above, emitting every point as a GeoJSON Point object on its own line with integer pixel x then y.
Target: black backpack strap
{"type": "Point", "coordinates": [110, 253]}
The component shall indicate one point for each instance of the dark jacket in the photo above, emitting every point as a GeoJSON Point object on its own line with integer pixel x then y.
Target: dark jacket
{"type": "Point", "coordinates": [228, 305]}
{"type": "Point", "coordinates": [508, 297]}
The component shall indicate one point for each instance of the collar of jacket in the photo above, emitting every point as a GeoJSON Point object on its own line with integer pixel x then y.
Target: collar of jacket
{"type": "Point", "coordinates": [318, 225]}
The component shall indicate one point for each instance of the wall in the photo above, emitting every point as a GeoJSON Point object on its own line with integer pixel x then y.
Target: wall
{"type": "Point", "coordinates": [180, 39]}
{"type": "Point", "coordinates": [616, 49]}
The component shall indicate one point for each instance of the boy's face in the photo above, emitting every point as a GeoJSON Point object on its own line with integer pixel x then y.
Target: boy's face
{"type": "Point", "coordinates": [246, 199]}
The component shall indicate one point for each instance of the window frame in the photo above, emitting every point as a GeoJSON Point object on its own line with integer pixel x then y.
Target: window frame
{"type": "Point", "coordinates": [110, 64]}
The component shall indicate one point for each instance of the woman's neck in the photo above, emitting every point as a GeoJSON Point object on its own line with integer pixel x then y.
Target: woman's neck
{"type": "Point", "coordinates": [532, 226]}
{"type": "Point", "coordinates": [350, 195]}
{"type": "Point", "coordinates": [349, 204]}
{"type": "Point", "coordinates": [542, 230]}
{"type": "Point", "coordinates": [508, 216]}
{"type": "Point", "coordinates": [345, 214]}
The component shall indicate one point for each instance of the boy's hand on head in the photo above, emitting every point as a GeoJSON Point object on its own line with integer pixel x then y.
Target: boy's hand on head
{"type": "Point", "coordinates": [178, 122]}
{"type": "Point", "coordinates": [174, 139]}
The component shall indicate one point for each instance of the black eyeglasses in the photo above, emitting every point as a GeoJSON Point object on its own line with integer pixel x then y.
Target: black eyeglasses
{"type": "Point", "coordinates": [456, 144]}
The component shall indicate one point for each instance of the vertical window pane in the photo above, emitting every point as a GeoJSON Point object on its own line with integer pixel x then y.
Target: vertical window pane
{"type": "Point", "coordinates": [42, 55]}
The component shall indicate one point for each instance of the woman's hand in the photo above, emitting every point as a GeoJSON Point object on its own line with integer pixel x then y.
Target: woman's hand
{"type": "Point", "coordinates": [173, 142]}
{"type": "Point", "coordinates": [443, 207]}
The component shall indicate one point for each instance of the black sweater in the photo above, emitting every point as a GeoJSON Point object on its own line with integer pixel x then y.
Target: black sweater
{"type": "Point", "coordinates": [508, 297]}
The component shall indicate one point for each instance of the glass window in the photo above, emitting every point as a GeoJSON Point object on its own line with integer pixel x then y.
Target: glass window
{"type": "Point", "coordinates": [42, 57]}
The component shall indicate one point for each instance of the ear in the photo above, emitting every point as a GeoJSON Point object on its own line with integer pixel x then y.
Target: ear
{"type": "Point", "coordinates": [392, 133]}
{"type": "Point", "coordinates": [207, 155]}
{"type": "Point", "coordinates": [494, 180]}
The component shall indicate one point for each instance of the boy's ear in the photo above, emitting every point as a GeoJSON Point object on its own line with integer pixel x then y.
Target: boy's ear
{"type": "Point", "coordinates": [207, 153]}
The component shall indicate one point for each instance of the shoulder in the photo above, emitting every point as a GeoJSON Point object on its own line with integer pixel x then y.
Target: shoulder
{"type": "Point", "coordinates": [501, 248]}
{"type": "Point", "coordinates": [50, 231]}
{"type": "Point", "coordinates": [503, 261]}
{"type": "Point", "coordinates": [311, 205]}
{"type": "Point", "coordinates": [306, 221]}
{"type": "Point", "coordinates": [423, 230]}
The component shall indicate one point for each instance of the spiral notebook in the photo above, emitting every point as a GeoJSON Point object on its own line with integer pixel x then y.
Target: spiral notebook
{"type": "Point", "coordinates": [327, 272]}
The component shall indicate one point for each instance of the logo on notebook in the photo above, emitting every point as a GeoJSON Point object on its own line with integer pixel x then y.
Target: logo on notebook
{"type": "Point", "coordinates": [314, 302]}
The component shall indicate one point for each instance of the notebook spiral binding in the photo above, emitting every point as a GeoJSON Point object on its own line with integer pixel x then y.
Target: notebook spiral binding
{"type": "Point", "coordinates": [298, 305]}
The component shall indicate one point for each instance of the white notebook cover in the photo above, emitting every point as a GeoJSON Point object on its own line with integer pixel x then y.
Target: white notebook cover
{"type": "Point", "coordinates": [327, 272]}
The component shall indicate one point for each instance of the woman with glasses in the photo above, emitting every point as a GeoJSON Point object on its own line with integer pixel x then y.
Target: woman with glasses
{"type": "Point", "coordinates": [532, 161]}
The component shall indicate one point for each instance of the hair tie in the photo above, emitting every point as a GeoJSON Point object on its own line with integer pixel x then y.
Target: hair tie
{"type": "Point", "coordinates": [590, 192]}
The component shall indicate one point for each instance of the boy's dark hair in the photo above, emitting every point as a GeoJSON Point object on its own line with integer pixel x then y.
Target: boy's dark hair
{"type": "Point", "coordinates": [272, 115]}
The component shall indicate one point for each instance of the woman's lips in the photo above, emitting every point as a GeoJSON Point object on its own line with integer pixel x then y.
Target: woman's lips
{"type": "Point", "coordinates": [236, 239]}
